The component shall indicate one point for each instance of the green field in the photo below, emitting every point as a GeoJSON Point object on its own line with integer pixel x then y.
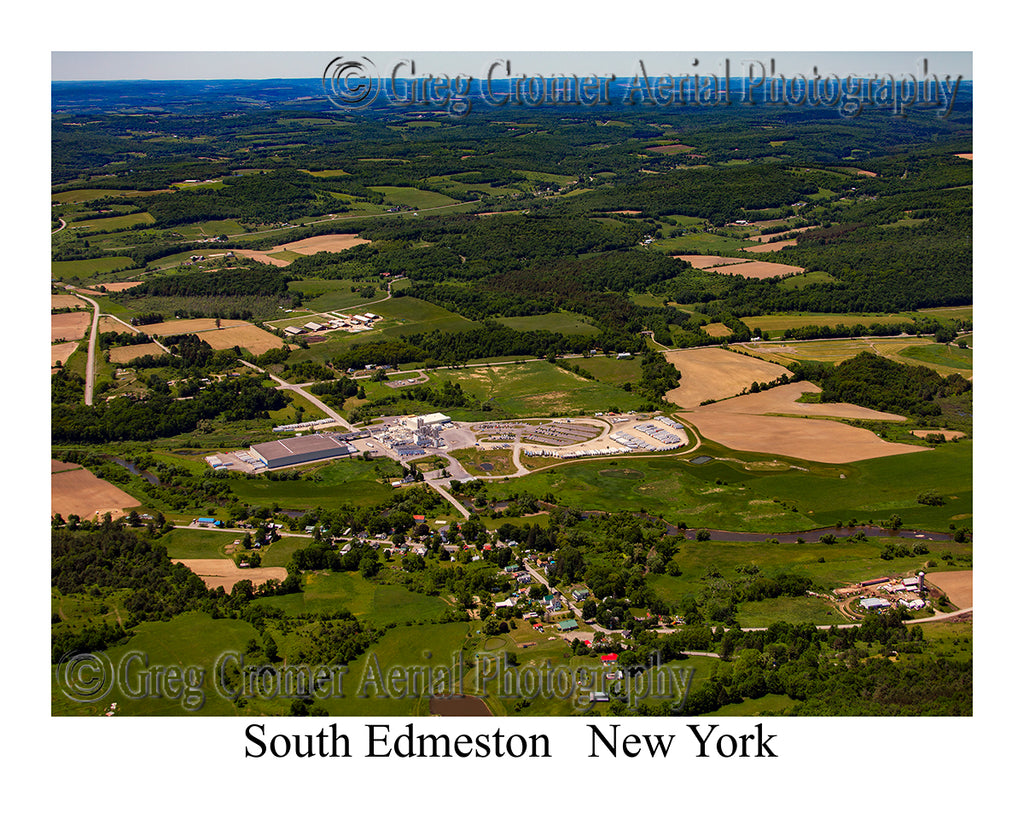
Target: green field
{"type": "Point", "coordinates": [611, 370]}
{"type": "Point", "coordinates": [568, 324]}
{"type": "Point", "coordinates": [536, 389]}
{"type": "Point", "coordinates": [114, 223]}
{"type": "Point", "coordinates": [88, 267]}
{"type": "Point", "coordinates": [377, 604]}
{"type": "Point", "coordinates": [77, 197]}
{"type": "Point", "coordinates": [189, 640]}
{"type": "Point", "coordinates": [412, 197]}
{"type": "Point", "coordinates": [941, 355]}
{"type": "Point", "coordinates": [340, 481]}
{"type": "Point", "coordinates": [828, 565]}
{"type": "Point", "coordinates": [725, 495]}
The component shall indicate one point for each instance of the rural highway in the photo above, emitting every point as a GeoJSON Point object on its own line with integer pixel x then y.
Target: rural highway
{"type": "Point", "coordinates": [90, 365]}
{"type": "Point", "coordinates": [285, 385]}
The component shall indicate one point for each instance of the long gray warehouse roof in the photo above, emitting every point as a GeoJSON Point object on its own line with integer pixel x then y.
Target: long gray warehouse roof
{"type": "Point", "coordinates": [308, 446]}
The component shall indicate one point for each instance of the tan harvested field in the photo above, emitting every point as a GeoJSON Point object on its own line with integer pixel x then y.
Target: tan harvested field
{"type": "Point", "coordinates": [332, 243]}
{"type": "Point", "coordinates": [66, 300]}
{"type": "Point", "coordinates": [958, 586]}
{"type": "Point", "coordinates": [122, 355]}
{"type": "Point", "coordinates": [965, 156]}
{"type": "Point", "coordinates": [112, 287]}
{"type": "Point", "coordinates": [769, 247]}
{"type": "Point", "coordinates": [948, 434]}
{"type": "Point", "coordinates": [171, 328]}
{"type": "Point", "coordinates": [713, 373]}
{"type": "Point", "coordinates": [758, 270]}
{"type": "Point", "coordinates": [231, 333]}
{"type": "Point", "coordinates": [254, 339]}
{"type": "Point", "coordinates": [626, 212]}
{"type": "Point", "coordinates": [262, 256]}
{"type": "Point", "coordinates": [782, 400]}
{"type": "Point", "coordinates": [812, 439]}
{"type": "Point", "coordinates": [69, 326]}
{"type": "Point", "coordinates": [109, 324]}
{"type": "Point", "coordinates": [707, 262]}
{"type": "Point", "coordinates": [224, 573]}
{"type": "Point", "coordinates": [61, 352]}
{"type": "Point", "coordinates": [768, 238]}
{"type": "Point", "coordinates": [76, 491]}
{"type": "Point", "coordinates": [717, 330]}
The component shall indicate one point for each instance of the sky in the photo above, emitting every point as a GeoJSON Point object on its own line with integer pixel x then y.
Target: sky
{"type": "Point", "coordinates": [182, 65]}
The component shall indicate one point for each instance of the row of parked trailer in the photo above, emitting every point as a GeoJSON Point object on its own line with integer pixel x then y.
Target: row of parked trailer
{"type": "Point", "coordinates": [659, 434]}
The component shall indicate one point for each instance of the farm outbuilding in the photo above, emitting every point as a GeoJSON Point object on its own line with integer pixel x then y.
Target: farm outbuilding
{"type": "Point", "coordinates": [300, 450]}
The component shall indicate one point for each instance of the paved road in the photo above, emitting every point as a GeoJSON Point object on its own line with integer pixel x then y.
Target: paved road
{"type": "Point", "coordinates": [285, 385]}
{"type": "Point", "coordinates": [90, 366]}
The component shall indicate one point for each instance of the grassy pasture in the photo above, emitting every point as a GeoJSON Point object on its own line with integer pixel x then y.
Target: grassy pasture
{"type": "Point", "coordinates": [341, 481]}
{"type": "Point", "coordinates": [412, 197]}
{"type": "Point", "coordinates": [537, 388]}
{"type": "Point", "coordinates": [778, 323]}
{"type": "Point", "coordinates": [114, 223]}
{"type": "Point", "coordinates": [377, 604]}
{"type": "Point", "coordinates": [83, 268]}
{"type": "Point", "coordinates": [745, 498]}
{"type": "Point", "coordinates": [940, 355]}
{"type": "Point", "coordinates": [613, 371]}
{"type": "Point", "coordinates": [566, 323]}
{"type": "Point", "coordinates": [189, 640]}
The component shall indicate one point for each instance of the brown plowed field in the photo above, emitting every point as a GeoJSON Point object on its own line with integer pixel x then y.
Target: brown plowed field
{"type": "Point", "coordinates": [811, 439]}
{"type": "Point", "coordinates": [75, 490]}
{"type": "Point", "coordinates": [69, 326]}
{"type": "Point", "coordinates": [224, 573]}
{"type": "Point", "coordinates": [65, 300]}
{"type": "Point", "coordinates": [958, 586]}
{"type": "Point", "coordinates": [714, 373]}
{"type": "Point", "coordinates": [783, 401]}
